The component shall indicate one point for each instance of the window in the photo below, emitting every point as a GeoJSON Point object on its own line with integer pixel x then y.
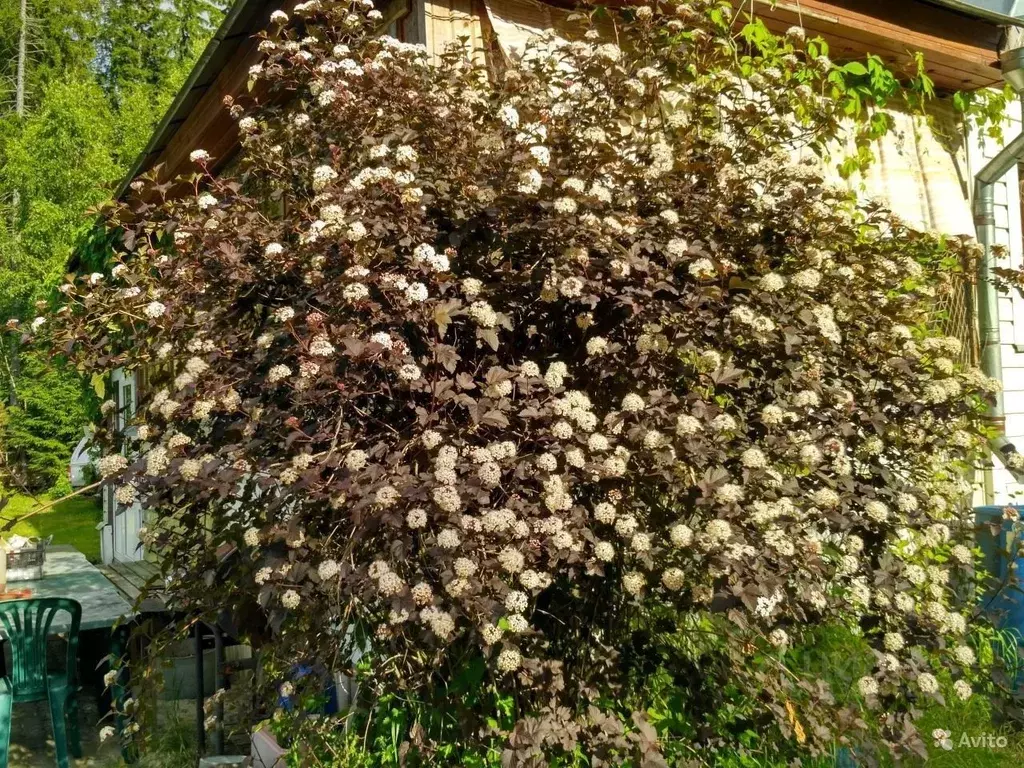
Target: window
{"type": "Point", "coordinates": [395, 13]}
{"type": "Point", "coordinates": [127, 405]}
{"type": "Point", "coordinates": [117, 409]}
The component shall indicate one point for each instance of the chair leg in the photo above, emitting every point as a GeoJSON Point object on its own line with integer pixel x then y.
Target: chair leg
{"type": "Point", "coordinates": [60, 731]}
{"type": "Point", "coordinates": [74, 732]}
{"type": "Point", "coordinates": [6, 705]}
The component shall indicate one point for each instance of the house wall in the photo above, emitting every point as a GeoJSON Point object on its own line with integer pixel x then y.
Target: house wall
{"type": "Point", "coordinates": [998, 486]}
{"type": "Point", "coordinates": [119, 532]}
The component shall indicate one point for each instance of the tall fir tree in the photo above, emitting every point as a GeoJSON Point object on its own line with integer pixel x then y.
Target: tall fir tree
{"type": "Point", "coordinates": [147, 42]}
{"type": "Point", "coordinates": [100, 74]}
{"type": "Point", "coordinates": [62, 37]}
{"type": "Point", "coordinates": [197, 20]}
{"type": "Point", "coordinates": [137, 44]}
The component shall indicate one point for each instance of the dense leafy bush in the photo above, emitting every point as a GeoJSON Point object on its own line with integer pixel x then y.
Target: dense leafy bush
{"type": "Point", "coordinates": [561, 374]}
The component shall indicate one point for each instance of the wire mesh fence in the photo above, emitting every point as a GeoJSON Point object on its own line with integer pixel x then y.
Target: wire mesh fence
{"type": "Point", "coordinates": [955, 313]}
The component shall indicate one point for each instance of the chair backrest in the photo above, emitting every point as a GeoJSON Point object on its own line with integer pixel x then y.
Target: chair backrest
{"type": "Point", "coordinates": [26, 625]}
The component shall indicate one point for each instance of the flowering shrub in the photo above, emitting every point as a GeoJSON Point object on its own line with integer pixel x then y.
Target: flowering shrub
{"type": "Point", "coordinates": [555, 367]}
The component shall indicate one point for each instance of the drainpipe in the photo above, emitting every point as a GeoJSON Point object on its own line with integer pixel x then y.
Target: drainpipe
{"type": "Point", "coordinates": [987, 297]}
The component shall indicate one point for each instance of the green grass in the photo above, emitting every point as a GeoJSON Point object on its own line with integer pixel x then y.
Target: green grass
{"type": "Point", "coordinates": [71, 522]}
{"type": "Point", "coordinates": [974, 718]}
{"type": "Point", "coordinates": [841, 658]}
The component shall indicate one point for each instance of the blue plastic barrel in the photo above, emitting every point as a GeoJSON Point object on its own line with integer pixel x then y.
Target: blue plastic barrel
{"type": "Point", "coordinates": [1002, 603]}
{"type": "Point", "coordinates": [1005, 605]}
{"type": "Point", "coordinates": [329, 705]}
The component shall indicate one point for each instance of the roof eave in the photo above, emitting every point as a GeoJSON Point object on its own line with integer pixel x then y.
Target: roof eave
{"type": "Point", "coordinates": [228, 29]}
{"type": "Point", "coordinates": [970, 9]}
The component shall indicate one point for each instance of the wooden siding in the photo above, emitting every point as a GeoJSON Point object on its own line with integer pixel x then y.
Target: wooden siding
{"type": "Point", "coordinates": [454, 21]}
{"type": "Point", "coordinates": [209, 126]}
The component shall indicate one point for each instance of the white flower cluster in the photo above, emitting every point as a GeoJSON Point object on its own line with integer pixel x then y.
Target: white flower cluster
{"type": "Point", "coordinates": [112, 464]}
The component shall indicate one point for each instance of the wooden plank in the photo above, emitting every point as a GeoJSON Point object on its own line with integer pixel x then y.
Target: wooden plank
{"type": "Point", "coordinates": [959, 51]}
{"type": "Point", "coordinates": [138, 572]}
{"type": "Point", "coordinates": [951, 75]}
{"type": "Point", "coordinates": [914, 25]}
{"type": "Point", "coordinates": [142, 567]}
{"type": "Point", "coordinates": [151, 571]}
{"type": "Point", "coordinates": [209, 126]}
{"type": "Point", "coordinates": [947, 73]}
{"type": "Point", "coordinates": [115, 571]}
{"type": "Point", "coordinates": [126, 588]}
{"type": "Point", "coordinates": [130, 577]}
{"type": "Point", "coordinates": [130, 582]}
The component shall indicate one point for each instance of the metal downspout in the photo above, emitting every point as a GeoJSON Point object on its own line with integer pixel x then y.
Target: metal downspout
{"type": "Point", "coordinates": [987, 297]}
{"type": "Point", "coordinates": [976, 10]}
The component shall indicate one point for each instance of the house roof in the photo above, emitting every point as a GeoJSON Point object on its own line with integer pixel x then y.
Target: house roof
{"type": "Point", "coordinates": [959, 40]}
{"type": "Point", "coordinates": [998, 11]}
{"type": "Point", "coordinates": [243, 20]}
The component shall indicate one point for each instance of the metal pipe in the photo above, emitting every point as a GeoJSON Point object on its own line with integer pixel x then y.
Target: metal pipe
{"type": "Point", "coordinates": [987, 297]}
{"type": "Point", "coordinates": [999, 165]}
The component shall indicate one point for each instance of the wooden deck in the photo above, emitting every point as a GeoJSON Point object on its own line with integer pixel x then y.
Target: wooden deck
{"type": "Point", "coordinates": [131, 579]}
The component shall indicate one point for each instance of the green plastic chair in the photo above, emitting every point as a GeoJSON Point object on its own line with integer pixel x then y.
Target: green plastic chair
{"type": "Point", "coordinates": [26, 625]}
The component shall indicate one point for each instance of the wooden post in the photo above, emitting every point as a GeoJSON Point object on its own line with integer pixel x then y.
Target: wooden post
{"type": "Point", "coordinates": [220, 682]}
{"type": "Point", "coordinates": [200, 691]}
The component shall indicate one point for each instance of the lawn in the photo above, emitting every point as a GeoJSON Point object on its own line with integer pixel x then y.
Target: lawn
{"type": "Point", "coordinates": [70, 522]}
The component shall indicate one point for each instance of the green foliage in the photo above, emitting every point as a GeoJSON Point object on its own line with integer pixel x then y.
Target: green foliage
{"type": "Point", "coordinates": [858, 88]}
{"type": "Point", "coordinates": [195, 22]}
{"type": "Point", "coordinates": [61, 39]}
{"type": "Point", "coordinates": [144, 43]}
{"type": "Point", "coordinates": [137, 44]}
{"type": "Point", "coordinates": [173, 746]}
{"type": "Point", "coordinates": [998, 676]}
{"type": "Point", "coordinates": [973, 718]}
{"type": "Point", "coordinates": [99, 77]}
{"type": "Point", "coordinates": [41, 430]}
{"type": "Point", "coordinates": [834, 653]}
{"type": "Point", "coordinates": [984, 110]}
{"type": "Point", "coordinates": [139, 104]}
{"type": "Point", "coordinates": [72, 121]}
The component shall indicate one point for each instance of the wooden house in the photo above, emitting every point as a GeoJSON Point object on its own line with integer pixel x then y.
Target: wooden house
{"type": "Point", "coordinates": [925, 172]}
